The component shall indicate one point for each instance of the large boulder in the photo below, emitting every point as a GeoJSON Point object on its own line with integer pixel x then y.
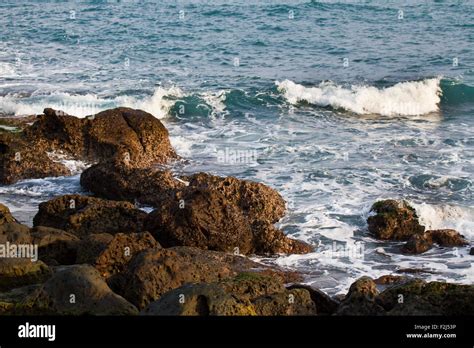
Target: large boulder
{"type": "Point", "coordinates": [83, 215]}
{"type": "Point", "coordinates": [22, 159]}
{"type": "Point", "coordinates": [134, 136]}
{"type": "Point", "coordinates": [416, 297]}
{"type": "Point", "coordinates": [79, 290]}
{"type": "Point", "coordinates": [152, 273]}
{"type": "Point", "coordinates": [392, 219]}
{"type": "Point", "coordinates": [361, 299]}
{"type": "Point", "coordinates": [246, 294]}
{"type": "Point", "coordinates": [201, 218]}
{"type": "Point", "coordinates": [55, 247]}
{"type": "Point", "coordinates": [18, 272]}
{"type": "Point", "coordinates": [117, 180]}
{"type": "Point", "coordinates": [256, 200]}
{"type": "Point", "coordinates": [120, 181]}
{"type": "Point", "coordinates": [205, 218]}
{"type": "Point", "coordinates": [110, 254]}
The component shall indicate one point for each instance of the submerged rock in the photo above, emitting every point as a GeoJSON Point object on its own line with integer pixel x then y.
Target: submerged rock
{"type": "Point", "coordinates": [83, 215]}
{"type": "Point", "coordinates": [393, 219]}
{"type": "Point", "coordinates": [418, 243]}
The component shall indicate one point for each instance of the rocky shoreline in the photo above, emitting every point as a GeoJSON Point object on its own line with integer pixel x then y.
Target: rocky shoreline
{"type": "Point", "coordinates": [102, 255]}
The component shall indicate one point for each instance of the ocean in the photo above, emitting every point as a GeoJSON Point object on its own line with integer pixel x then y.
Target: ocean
{"type": "Point", "coordinates": [335, 104]}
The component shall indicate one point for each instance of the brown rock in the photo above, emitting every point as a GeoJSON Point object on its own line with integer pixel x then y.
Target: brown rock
{"type": "Point", "coordinates": [84, 285]}
{"type": "Point", "coordinates": [389, 279]}
{"type": "Point", "coordinates": [201, 218]}
{"type": "Point", "coordinates": [324, 304]}
{"type": "Point", "coordinates": [5, 215]}
{"type": "Point", "coordinates": [18, 272]}
{"type": "Point", "coordinates": [154, 272]}
{"type": "Point", "coordinates": [21, 159]}
{"type": "Point", "coordinates": [416, 297]}
{"type": "Point", "coordinates": [447, 238]}
{"type": "Point", "coordinates": [55, 247]}
{"type": "Point", "coordinates": [257, 201]}
{"type": "Point", "coordinates": [133, 136]}
{"type": "Point", "coordinates": [83, 215]}
{"type": "Point", "coordinates": [119, 181]}
{"type": "Point", "coordinates": [393, 219]}
{"type": "Point", "coordinates": [418, 243]}
{"type": "Point", "coordinates": [12, 231]}
{"type": "Point", "coordinates": [205, 218]}
{"type": "Point", "coordinates": [269, 240]}
{"type": "Point", "coordinates": [111, 254]}
{"type": "Point", "coordinates": [360, 300]}
{"type": "Point", "coordinates": [246, 294]}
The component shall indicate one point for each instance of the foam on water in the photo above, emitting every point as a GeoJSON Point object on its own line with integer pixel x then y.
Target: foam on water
{"type": "Point", "coordinates": [157, 104]}
{"type": "Point", "coordinates": [74, 166]}
{"type": "Point", "coordinates": [446, 216]}
{"type": "Point", "coordinates": [404, 98]}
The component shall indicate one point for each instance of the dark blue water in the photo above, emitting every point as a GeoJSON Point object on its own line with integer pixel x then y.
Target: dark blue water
{"type": "Point", "coordinates": [335, 104]}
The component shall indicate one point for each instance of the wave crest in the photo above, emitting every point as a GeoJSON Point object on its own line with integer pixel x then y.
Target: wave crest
{"type": "Point", "coordinates": [404, 98]}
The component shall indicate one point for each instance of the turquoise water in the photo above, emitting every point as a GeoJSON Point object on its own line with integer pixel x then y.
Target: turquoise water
{"type": "Point", "coordinates": [334, 103]}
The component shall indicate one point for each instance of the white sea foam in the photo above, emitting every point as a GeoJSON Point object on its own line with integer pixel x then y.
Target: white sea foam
{"type": "Point", "coordinates": [446, 216]}
{"type": "Point", "coordinates": [404, 98]}
{"type": "Point", "coordinates": [82, 105]}
{"type": "Point", "coordinates": [74, 166]}
{"type": "Point", "coordinates": [7, 70]}
{"type": "Point", "coordinates": [216, 100]}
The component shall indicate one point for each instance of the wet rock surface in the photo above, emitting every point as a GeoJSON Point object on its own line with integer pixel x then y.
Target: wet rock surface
{"type": "Point", "coordinates": [133, 135]}
{"type": "Point", "coordinates": [393, 219]}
